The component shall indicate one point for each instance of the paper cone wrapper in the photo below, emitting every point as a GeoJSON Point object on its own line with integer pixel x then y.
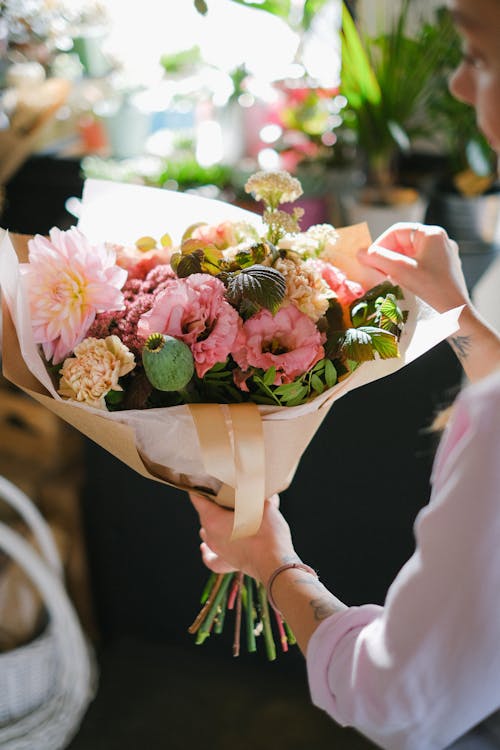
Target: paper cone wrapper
{"type": "Point", "coordinates": [238, 454]}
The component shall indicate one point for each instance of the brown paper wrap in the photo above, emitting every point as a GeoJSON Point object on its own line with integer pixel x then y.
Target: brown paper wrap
{"type": "Point", "coordinates": [238, 454]}
{"type": "Point", "coordinates": [249, 455]}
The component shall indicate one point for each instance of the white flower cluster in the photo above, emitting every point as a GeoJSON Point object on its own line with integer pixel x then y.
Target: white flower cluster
{"type": "Point", "coordinates": [312, 243]}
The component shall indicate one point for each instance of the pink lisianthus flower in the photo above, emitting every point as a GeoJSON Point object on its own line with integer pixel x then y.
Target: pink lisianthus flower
{"type": "Point", "coordinates": [194, 310]}
{"type": "Point", "coordinates": [345, 289]}
{"type": "Point", "coordinates": [69, 281]}
{"type": "Point", "coordinates": [289, 341]}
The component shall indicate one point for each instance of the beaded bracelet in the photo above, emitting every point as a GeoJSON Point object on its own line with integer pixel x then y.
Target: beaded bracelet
{"type": "Point", "coordinates": [275, 574]}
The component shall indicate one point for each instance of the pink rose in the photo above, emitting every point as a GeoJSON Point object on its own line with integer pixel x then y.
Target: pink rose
{"type": "Point", "coordinates": [195, 311]}
{"type": "Point", "coordinates": [221, 235]}
{"type": "Point", "coordinates": [345, 289]}
{"type": "Point", "coordinates": [288, 340]}
{"type": "Point", "coordinates": [138, 263]}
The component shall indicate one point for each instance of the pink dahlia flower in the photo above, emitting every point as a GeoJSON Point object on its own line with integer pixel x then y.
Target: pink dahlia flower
{"type": "Point", "coordinates": [69, 281]}
{"type": "Point", "coordinates": [195, 311]}
{"type": "Point", "coordinates": [288, 340]}
{"type": "Point", "coordinates": [345, 289]}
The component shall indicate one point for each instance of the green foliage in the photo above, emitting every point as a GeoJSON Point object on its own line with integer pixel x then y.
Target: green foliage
{"type": "Point", "coordinates": [387, 80]}
{"type": "Point", "coordinates": [316, 380]}
{"type": "Point", "coordinates": [258, 285]}
{"type": "Point", "coordinates": [179, 61]}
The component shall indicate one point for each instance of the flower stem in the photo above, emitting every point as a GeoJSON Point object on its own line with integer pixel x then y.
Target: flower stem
{"type": "Point", "coordinates": [266, 622]}
{"type": "Point", "coordinates": [237, 622]}
{"type": "Point", "coordinates": [208, 587]}
{"type": "Point", "coordinates": [221, 615]}
{"type": "Point", "coordinates": [289, 634]}
{"type": "Point", "coordinates": [206, 607]}
{"type": "Point", "coordinates": [251, 644]}
{"type": "Point", "coordinates": [206, 625]}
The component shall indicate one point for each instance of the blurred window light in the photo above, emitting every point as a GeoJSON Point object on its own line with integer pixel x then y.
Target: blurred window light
{"type": "Point", "coordinates": [268, 158]}
{"type": "Point", "coordinates": [209, 144]}
{"type": "Point", "coordinates": [270, 133]}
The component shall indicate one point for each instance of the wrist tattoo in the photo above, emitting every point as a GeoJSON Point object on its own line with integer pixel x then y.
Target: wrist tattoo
{"type": "Point", "coordinates": [462, 345]}
{"type": "Point", "coordinates": [323, 608]}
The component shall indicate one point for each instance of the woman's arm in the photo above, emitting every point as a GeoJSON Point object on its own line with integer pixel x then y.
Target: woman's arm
{"type": "Point", "coordinates": [425, 261]}
{"type": "Point", "coordinates": [425, 668]}
{"type": "Point", "coordinates": [302, 599]}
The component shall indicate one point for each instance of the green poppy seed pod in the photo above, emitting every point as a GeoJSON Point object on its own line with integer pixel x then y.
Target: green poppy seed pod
{"type": "Point", "coordinates": [168, 362]}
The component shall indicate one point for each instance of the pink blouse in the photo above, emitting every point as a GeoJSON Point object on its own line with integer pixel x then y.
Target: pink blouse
{"type": "Point", "coordinates": [422, 670]}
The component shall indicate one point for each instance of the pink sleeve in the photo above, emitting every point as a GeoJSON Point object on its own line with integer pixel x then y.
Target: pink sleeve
{"type": "Point", "coordinates": [422, 670]}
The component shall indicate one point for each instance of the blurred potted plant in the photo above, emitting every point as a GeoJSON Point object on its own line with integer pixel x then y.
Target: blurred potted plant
{"type": "Point", "coordinates": [387, 80]}
{"type": "Point", "coordinates": [465, 194]}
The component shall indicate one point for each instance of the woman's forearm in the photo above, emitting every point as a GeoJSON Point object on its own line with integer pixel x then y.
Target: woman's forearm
{"type": "Point", "coordinates": [476, 344]}
{"type": "Point", "coordinates": [302, 600]}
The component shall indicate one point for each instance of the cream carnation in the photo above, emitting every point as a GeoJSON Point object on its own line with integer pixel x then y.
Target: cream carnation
{"type": "Point", "coordinates": [305, 287]}
{"type": "Point", "coordinates": [94, 370]}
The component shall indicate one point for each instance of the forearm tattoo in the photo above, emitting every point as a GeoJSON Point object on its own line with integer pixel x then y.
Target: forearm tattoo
{"type": "Point", "coordinates": [322, 605]}
{"type": "Point", "coordinates": [461, 345]}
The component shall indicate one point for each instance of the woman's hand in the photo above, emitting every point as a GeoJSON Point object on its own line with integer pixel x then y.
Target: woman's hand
{"type": "Point", "coordinates": [425, 261]}
{"type": "Point", "coordinates": [257, 555]}
{"type": "Point", "coordinates": [422, 259]}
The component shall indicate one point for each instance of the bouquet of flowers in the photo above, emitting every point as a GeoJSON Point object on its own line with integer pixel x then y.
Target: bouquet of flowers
{"type": "Point", "coordinates": [206, 357]}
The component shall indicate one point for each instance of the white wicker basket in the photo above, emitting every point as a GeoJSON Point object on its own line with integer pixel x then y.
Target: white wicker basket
{"type": "Point", "coordinates": [46, 685]}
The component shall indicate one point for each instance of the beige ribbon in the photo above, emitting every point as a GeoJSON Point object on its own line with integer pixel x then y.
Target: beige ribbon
{"type": "Point", "coordinates": [232, 448]}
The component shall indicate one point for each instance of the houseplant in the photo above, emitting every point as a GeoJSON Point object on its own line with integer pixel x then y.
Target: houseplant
{"type": "Point", "coordinates": [387, 79]}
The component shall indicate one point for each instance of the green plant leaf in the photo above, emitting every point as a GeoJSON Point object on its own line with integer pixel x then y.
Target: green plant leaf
{"type": "Point", "coordinates": [356, 344]}
{"type": "Point", "coordinates": [390, 309]}
{"type": "Point", "coordinates": [384, 343]}
{"type": "Point", "coordinates": [279, 8]}
{"type": "Point", "coordinates": [330, 373]}
{"type": "Point", "coordinates": [359, 312]}
{"type": "Point", "coordinates": [311, 8]}
{"type": "Point", "coordinates": [187, 264]}
{"type": "Point", "coordinates": [269, 376]}
{"type": "Point", "coordinates": [317, 384]}
{"type": "Point", "coordinates": [258, 285]}
{"type": "Point", "coordinates": [359, 82]}
{"type": "Point", "coordinates": [201, 6]}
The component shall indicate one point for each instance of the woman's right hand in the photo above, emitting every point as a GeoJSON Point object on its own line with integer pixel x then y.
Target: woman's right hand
{"type": "Point", "coordinates": [422, 259]}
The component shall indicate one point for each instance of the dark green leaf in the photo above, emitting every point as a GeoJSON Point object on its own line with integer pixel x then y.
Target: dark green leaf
{"type": "Point", "coordinates": [187, 265]}
{"type": "Point", "coordinates": [359, 313]}
{"type": "Point", "coordinates": [356, 344]}
{"type": "Point", "coordinates": [259, 285]}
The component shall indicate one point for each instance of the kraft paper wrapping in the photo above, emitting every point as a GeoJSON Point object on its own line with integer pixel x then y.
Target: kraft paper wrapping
{"type": "Point", "coordinates": [237, 454]}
